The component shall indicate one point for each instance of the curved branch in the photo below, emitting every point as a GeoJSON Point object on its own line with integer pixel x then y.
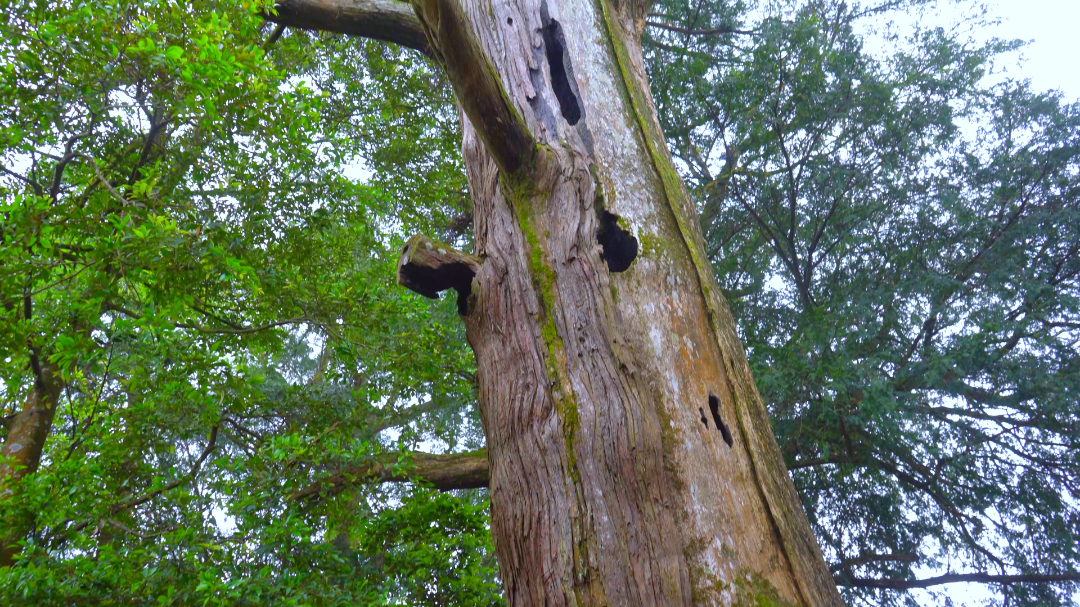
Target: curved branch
{"type": "Point", "coordinates": [387, 20]}
{"type": "Point", "coordinates": [953, 578]}
{"type": "Point", "coordinates": [444, 472]}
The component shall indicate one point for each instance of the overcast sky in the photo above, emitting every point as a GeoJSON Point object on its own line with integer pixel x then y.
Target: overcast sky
{"type": "Point", "coordinates": [1051, 59]}
{"type": "Point", "coordinates": [1053, 55]}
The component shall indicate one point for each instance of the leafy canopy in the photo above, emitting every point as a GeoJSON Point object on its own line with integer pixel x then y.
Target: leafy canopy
{"type": "Point", "coordinates": [188, 239]}
{"type": "Point", "coordinates": [200, 224]}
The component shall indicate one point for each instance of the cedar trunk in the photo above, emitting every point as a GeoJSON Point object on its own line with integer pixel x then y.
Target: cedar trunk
{"type": "Point", "coordinates": [631, 458]}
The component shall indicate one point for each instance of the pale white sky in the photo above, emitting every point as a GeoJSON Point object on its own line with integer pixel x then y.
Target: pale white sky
{"type": "Point", "coordinates": [1051, 60]}
{"type": "Point", "coordinates": [1049, 26]}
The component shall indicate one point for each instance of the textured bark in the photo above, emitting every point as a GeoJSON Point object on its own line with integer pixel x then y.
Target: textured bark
{"type": "Point", "coordinates": [632, 461]}
{"type": "Point", "coordinates": [606, 486]}
{"type": "Point", "coordinates": [21, 455]}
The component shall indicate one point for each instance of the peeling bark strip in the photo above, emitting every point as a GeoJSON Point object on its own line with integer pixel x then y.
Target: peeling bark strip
{"type": "Point", "coordinates": [605, 488]}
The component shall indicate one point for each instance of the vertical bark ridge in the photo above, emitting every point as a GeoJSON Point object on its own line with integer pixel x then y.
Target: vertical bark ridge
{"type": "Point", "coordinates": [618, 450]}
{"type": "Point", "coordinates": [524, 441]}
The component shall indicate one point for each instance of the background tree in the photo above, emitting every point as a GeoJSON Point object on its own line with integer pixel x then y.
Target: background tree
{"type": "Point", "coordinates": [203, 307]}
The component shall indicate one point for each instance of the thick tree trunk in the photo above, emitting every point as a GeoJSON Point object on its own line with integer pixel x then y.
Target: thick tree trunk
{"type": "Point", "coordinates": [631, 458]}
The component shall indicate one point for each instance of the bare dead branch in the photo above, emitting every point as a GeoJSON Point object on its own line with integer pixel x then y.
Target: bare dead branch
{"type": "Point", "coordinates": [895, 557]}
{"type": "Point", "coordinates": [105, 182]}
{"type": "Point", "coordinates": [716, 31]}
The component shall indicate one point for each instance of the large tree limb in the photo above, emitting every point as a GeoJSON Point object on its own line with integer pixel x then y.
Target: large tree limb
{"type": "Point", "coordinates": [387, 20]}
{"type": "Point", "coordinates": [442, 31]}
{"type": "Point", "coordinates": [476, 84]}
{"type": "Point", "coordinates": [444, 472]}
{"type": "Point", "coordinates": [952, 578]}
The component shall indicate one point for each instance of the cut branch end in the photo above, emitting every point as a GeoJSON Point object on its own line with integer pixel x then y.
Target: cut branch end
{"type": "Point", "coordinates": [429, 267]}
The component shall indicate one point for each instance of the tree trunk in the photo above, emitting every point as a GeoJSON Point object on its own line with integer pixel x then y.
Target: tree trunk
{"type": "Point", "coordinates": [21, 455]}
{"type": "Point", "coordinates": [631, 458]}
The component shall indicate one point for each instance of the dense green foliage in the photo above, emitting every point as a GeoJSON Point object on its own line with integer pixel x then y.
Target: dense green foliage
{"type": "Point", "coordinates": [179, 224]}
{"type": "Point", "coordinates": [199, 229]}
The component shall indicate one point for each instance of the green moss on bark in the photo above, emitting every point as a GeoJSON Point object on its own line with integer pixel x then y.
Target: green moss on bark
{"type": "Point", "coordinates": [522, 194]}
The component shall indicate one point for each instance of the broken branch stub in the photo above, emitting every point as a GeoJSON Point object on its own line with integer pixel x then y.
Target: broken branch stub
{"type": "Point", "coordinates": [429, 267]}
